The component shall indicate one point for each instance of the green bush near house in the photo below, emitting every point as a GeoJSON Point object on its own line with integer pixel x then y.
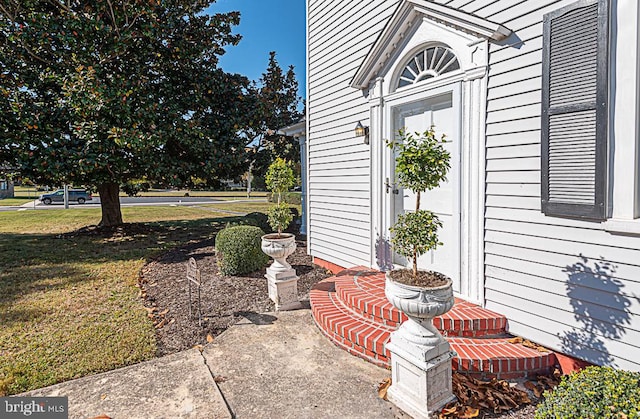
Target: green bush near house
{"type": "Point", "coordinates": [594, 393]}
{"type": "Point", "coordinates": [238, 250]}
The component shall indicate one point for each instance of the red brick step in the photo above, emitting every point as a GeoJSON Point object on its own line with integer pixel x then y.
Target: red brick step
{"type": "Point", "coordinates": [351, 310]}
{"type": "Point", "coordinates": [362, 290]}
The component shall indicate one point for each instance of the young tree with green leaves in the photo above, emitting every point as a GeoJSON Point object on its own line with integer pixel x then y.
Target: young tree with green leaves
{"type": "Point", "coordinates": [422, 163]}
{"type": "Point", "coordinates": [280, 179]}
{"type": "Point", "coordinates": [100, 92]}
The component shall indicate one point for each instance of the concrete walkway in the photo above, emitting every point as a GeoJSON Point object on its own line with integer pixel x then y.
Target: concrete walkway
{"type": "Point", "coordinates": [274, 365]}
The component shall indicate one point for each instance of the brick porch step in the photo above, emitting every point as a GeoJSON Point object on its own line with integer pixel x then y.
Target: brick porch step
{"type": "Point", "coordinates": [356, 318]}
{"type": "Point", "coordinates": [362, 290]}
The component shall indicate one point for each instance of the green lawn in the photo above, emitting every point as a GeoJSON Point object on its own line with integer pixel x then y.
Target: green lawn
{"type": "Point", "coordinates": [219, 194]}
{"type": "Point", "coordinates": [69, 305]}
{"type": "Point", "coordinates": [9, 202]}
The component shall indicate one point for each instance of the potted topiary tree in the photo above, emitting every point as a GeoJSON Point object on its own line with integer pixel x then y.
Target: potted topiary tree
{"type": "Point", "coordinates": [422, 163]}
{"type": "Point", "coordinates": [281, 278]}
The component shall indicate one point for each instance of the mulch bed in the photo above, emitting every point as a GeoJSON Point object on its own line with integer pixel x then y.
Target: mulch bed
{"type": "Point", "coordinates": [225, 300]}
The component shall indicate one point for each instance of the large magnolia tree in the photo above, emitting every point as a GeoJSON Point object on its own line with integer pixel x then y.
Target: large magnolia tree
{"type": "Point", "coordinates": [100, 92]}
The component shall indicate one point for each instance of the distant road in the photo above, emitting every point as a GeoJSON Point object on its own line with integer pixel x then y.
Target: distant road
{"type": "Point", "coordinates": [130, 202]}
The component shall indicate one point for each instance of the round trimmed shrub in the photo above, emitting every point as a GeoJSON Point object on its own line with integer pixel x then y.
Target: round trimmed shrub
{"type": "Point", "coordinates": [238, 250]}
{"type": "Point", "coordinates": [595, 392]}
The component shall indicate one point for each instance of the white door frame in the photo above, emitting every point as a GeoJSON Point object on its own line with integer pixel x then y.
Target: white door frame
{"type": "Point", "coordinates": [470, 92]}
{"type": "Point", "coordinates": [407, 100]}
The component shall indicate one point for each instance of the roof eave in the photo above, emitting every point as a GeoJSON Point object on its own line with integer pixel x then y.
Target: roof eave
{"type": "Point", "coordinates": [402, 20]}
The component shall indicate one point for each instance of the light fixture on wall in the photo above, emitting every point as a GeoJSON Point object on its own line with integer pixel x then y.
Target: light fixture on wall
{"type": "Point", "coordinates": [362, 131]}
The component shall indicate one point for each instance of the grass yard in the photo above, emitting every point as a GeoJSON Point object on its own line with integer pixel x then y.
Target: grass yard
{"type": "Point", "coordinates": [218, 194]}
{"type": "Point", "coordinates": [246, 207]}
{"type": "Point", "coordinates": [69, 304]}
{"type": "Point", "coordinates": [9, 202]}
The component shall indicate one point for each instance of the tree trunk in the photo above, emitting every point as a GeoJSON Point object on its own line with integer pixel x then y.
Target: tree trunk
{"type": "Point", "coordinates": [249, 179]}
{"type": "Point", "coordinates": [415, 251]}
{"type": "Point", "coordinates": [110, 203]}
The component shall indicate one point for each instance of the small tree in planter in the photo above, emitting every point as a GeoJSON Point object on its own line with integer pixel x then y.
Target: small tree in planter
{"type": "Point", "coordinates": [422, 163]}
{"type": "Point", "coordinates": [281, 277]}
{"type": "Point", "coordinates": [280, 179]}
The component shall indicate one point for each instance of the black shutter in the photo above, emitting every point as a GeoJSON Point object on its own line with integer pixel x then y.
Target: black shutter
{"type": "Point", "coordinates": [574, 110]}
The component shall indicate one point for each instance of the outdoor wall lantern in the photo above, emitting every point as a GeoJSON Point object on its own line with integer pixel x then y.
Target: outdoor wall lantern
{"type": "Point", "coordinates": [362, 131]}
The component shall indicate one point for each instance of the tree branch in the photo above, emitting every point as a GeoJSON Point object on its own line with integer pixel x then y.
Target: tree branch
{"type": "Point", "coordinates": [113, 18]}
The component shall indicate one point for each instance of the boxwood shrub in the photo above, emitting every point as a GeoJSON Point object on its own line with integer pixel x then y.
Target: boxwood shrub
{"type": "Point", "coordinates": [238, 250]}
{"type": "Point", "coordinates": [593, 393]}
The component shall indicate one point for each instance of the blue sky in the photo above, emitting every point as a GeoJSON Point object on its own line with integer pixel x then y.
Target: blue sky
{"type": "Point", "coordinates": [266, 25]}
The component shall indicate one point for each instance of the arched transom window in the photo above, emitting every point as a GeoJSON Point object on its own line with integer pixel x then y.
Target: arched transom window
{"type": "Point", "coordinates": [428, 63]}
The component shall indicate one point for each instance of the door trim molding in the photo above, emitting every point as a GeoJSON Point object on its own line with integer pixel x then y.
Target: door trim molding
{"type": "Point", "coordinates": [413, 100]}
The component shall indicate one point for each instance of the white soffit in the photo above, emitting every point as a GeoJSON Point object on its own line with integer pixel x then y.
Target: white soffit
{"type": "Point", "coordinates": [400, 23]}
{"type": "Point", "coordinates": [295, 130]}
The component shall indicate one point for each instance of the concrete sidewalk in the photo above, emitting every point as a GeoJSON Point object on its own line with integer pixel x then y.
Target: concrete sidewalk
{"type": "Point", "coordinates": [274, 365]}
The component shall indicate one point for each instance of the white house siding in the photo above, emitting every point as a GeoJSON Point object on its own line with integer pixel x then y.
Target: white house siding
{"type": "Point", "coordinates": [564, 283]}
{"type": "Point", "coordinates": [340, 34]}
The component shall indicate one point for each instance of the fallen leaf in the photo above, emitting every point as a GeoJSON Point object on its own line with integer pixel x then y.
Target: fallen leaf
{"type": "Point", "coordinates": [164, 312]}
{"type": "Point", "coordinates": [161, 324]}
{"type": "Point", "coordinates": [517, 339]}
{"type": "Point", "coordinates": [101, 417]}
{"type": "Point", "coordinates": [383, 387]}
{"type": "Point", "coordinates": [450, 410]}
{"type": "Point", "coordinates": [219, 379]}
{"type": "Point", "coordinates": [103, 396]}
{"type": "Point", "coordinates": [469, 412]}
{"type": "Point", "coordinates": [209, 338]}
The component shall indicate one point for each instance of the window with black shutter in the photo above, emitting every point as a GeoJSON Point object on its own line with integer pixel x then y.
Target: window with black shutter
{"type": "Point", "coordinates": [574, 110]}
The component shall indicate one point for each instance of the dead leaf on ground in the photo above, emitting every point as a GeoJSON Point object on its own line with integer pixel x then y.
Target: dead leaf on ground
{"type": "Point", "coordinates": [219, 379]}
{"type": "Point", "coordinates": [383, 387]}
{"type": "Point", "coordinates": [496, 395]}
{"type": "Point", "coordinates": [469, 412]}
{"type": "Point", "coordinates": [209, 338]}
{"type": "Point", "coordinates": [101, 417]}
{"type": "Point", "coordinates": [517, 339]}
{"type": "Point", "coordinates": [164, 312]}
{"type": "Point", "coordinates": [533, 345]}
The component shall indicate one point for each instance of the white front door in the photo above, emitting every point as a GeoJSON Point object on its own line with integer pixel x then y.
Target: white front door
{"type": "Point", "coordinates": [443, 113]}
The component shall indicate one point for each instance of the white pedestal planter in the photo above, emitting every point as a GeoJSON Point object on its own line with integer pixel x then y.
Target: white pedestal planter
{"type": "Point", "coordinates": [281, 277]}
{"type": "Point", "coordinates": [420, 356]}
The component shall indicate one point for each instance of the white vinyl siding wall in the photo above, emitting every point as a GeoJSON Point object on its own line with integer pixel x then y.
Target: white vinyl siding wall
{"type": "Point", "coordinates": [340, 35]}
{"type": "Point", "coordinates": [564, 283]}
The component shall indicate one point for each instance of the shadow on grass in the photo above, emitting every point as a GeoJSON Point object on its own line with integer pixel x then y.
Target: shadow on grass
{"type": "Point", "coordinates": [29, 261]}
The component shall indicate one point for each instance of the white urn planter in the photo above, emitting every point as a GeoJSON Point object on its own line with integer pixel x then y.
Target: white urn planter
{"type": "Point", "coordinates": [281, 277]}
{"type": "Point", "coordinates": [420, 356]}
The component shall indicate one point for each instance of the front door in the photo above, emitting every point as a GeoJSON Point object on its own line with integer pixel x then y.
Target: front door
{"type": "Point", "coordinates": [441, 112]}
